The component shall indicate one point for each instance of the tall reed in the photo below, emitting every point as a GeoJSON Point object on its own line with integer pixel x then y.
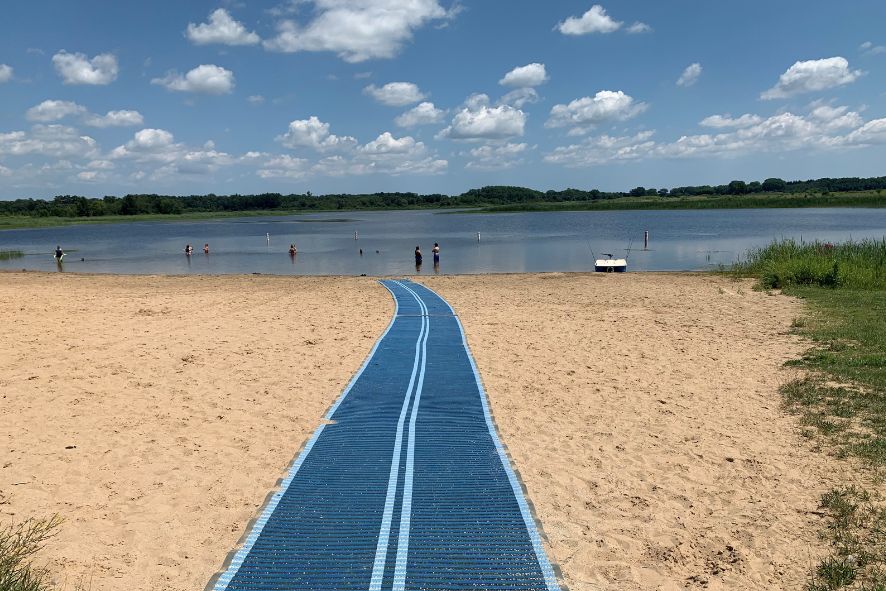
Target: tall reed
{"type": "Point", "coordinates": [852, 265]}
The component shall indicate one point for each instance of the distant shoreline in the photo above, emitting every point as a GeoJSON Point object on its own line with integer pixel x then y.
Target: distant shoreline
{"type": "Point", "coordinates": [872, 199]}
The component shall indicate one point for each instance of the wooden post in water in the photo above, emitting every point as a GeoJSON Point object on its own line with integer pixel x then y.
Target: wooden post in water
{"type": "Point", "coordinates": [646, 240]}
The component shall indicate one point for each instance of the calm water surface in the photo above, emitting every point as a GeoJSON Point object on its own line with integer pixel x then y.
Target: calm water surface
{"type": "Point", "coordinates": [517, 242]}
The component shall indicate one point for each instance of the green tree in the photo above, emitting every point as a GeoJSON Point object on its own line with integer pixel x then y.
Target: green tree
{"type": "Point", "coordinates": [168, 205]}
{"type": "Point", "coordinates": [774, 185]}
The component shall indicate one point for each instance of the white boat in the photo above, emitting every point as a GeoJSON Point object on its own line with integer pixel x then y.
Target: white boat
{"type": "Point", "coordinates": [610, 265]}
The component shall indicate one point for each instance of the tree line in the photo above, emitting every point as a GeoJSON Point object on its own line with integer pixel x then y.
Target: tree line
{"type": "Point", "coordinates": [135, 204]}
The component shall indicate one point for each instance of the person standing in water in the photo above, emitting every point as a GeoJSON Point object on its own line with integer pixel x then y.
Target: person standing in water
{"type": "Point", "coordinates": [189, 249]}
{"type": "Point", "coordinates": [59, 253]}
{"type": "Point", "coordinates": [436, 251]}
{"type": "Point", "coordinates": [417, 255]}
{"type": "Point", "coordinates": [292, 250]}
{"type": "Point", "coordinates": [206, 248]}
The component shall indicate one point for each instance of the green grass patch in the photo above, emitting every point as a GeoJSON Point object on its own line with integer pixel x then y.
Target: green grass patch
{"type": "Point", "coordinates": [18, 545]}
{"type": "Point", "coordinates": [842, 398]}
{"type": "Point", "coordinates": [856, 531]}
{"type": "Point", "coordinates": [8, 255]}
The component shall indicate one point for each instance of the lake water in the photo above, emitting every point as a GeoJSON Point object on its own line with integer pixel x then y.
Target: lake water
{"type": "Point", "coordinates": [513, 242]}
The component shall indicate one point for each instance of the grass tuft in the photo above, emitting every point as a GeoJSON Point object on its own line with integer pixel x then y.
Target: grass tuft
{"type": "Point", "coordinates": [18, 545]}
{"type": "Point", "coordinates": [857, 533]}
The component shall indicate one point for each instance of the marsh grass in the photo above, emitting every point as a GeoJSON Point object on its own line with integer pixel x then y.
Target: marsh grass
{"type": "Point", "coordinates": [8, 255]}
{"type": "Point", "coordinates": [13, 222]}
{"type": "Point", "coordinates": [754, 201]}
{"type": "Point", "coordinates": [841, 400]}
{"type": "Point", "coordinates": [791, 263]}
{"type": "Point", "coordinates": [18, 545]}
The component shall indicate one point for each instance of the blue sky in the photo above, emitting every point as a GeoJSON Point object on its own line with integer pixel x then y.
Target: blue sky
{"type": "Point", "coordinates": [435, 96]}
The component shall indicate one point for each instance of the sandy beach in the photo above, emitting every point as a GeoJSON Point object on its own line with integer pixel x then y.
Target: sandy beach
{"type": "Point", "coordinates": [154, 414]}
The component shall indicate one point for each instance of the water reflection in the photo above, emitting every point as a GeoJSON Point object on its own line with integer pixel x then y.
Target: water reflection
{"type": "Point", "coordinates": [530, 242]}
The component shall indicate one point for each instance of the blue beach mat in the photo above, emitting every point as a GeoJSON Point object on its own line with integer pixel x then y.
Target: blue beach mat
{"type": "Point", "coordinates": [408, 488]}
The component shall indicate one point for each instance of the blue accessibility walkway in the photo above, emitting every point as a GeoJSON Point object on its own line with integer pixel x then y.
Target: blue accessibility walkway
{"type": "Point", "coordinates": [408, 487]}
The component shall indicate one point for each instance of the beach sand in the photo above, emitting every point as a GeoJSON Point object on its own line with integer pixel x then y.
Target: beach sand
{"type": "Point", "coordinates": [154, 414]}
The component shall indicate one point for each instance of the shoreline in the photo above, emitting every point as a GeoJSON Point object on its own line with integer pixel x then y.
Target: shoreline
{"type": "Point", "coordinates": [650, 453]}
{"type": "Point", "coordinates": [377, 277]}
{"type": "Point", "coordinates": [789, 201]}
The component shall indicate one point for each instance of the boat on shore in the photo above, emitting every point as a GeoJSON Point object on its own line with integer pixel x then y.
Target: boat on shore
{"type": "Point", "coordinates": [610, 265]}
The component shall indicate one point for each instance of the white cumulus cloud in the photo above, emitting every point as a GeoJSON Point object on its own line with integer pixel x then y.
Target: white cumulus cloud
{"type": "Point", "coordinates": [868, 48]}
{"type": "Point", "coordinates": [357, 30]}
{"type": "Point", "coordinates": [114, 119]}
{"type": "Point", "coordinates": [388, 144]}
{"type": "Point", "coordinates": [221, 29]}
{"type": "Point", "coordinates": [77, 68]}
{"type": "Point", "coordinates": [478, 121]}
{"type": "Point", "coordinates": [690, 75]}
{"type": "Point", "coordinates": [5, 73]}
{"type": "Point", "coordinates": [150, 140]}
{"type": "Point", "coordinates": [605, 106]}
{"type": "Point", "coordinates": [384, 155]}
{"type": "Point", "coordinates": [812, 76]}
{"type": "Point", "coordinates": [594, 20]}
{"type": "Point", "coordinates": [422, 114]}
{"type": "Point", "coordinates": [205, 79]}
{"type": "Point", "coordinates": [825, 128]}
{"type": "Point", "coordinates": [500, 157]}
{"type": "Point", "coordinates": [638, 28]}
{"type": "Point", "coordinates": [285, 166]}
{"type": "Point", "coordinates": [721, 121]}
{"type": "Point", "coordinates": [90, 176]}
{"type": "Point", "coordinates": [834, 118]}
{"type": "Point", "coordinates": [519, 97]}
{"type": "Point", "coordinates": [524, 76]}
{"type": "Point", "coordinates": [101, 165]}
{"type": "Point", "coordinates": [603, 150]}
{"type": "Point", "coordinates": [53, 111]}
{"type": "Point", "coordinates": [160, 157]}
{"type": "Point", "coordinates": [395, 94]}
{"type": "Point", "coordinates": [57, 141]}
{"type": "Point", "coordinates": [313, 133]}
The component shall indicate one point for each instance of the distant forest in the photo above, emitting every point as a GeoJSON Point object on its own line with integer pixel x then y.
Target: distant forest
{"type": "Point", "coordinates": [78, 206]}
